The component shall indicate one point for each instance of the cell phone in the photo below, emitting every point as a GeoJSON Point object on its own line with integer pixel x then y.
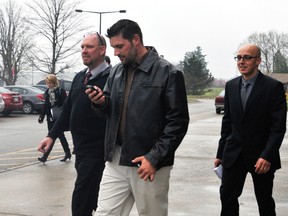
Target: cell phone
{"type": "Point", "coordinates": [92, 88]}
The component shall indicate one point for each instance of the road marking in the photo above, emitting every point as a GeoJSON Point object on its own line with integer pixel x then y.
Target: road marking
{"type": "Point", "coordinates": [27, 157]}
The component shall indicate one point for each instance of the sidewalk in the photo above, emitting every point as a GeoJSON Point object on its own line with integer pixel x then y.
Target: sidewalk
{"type": "Point", "coordinates": [38, 189]}
{"type": "Point", "coordinates": [45, 190]}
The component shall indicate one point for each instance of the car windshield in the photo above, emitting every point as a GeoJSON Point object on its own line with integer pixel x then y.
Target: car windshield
{"type": "Point", "coordinates": [4, 90]}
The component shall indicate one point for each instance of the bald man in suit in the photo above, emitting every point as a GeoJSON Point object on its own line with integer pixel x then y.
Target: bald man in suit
{"type": "Point", "coordinates": [253, 127]}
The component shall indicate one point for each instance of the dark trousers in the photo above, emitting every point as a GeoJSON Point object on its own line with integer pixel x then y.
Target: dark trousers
{"type": "Point", "coordinates": [233, 180]}
{"type": "Point", "coordinates": [85, 195]}
{"type": "Point", "coordinates": [61, 137]}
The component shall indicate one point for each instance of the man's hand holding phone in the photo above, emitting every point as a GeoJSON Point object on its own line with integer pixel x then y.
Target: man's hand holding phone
{"type": "Point", "coordinates": [145, 170]}
{"type": "Point", "coordinates": [95, 94]}
{"type": "Point", "coordinates": [92, 88]}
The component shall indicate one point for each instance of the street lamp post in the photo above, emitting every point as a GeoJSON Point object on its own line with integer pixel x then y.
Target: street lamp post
{"type": "Point", "coordinates": [100, 13]}
{"type": "Point", "coordinates": [32, 70]}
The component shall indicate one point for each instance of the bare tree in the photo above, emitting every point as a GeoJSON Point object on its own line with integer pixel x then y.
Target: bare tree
{"type": "Point", "coordinates": [56, 25]}
{"type": "Point", "coordinates": [270, 43]}
{"type": "Point", "coordinates": [15, 43]}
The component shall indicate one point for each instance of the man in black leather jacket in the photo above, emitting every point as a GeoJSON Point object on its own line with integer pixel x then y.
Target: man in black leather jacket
{"type": "Point", "coordinates": [146, 105]}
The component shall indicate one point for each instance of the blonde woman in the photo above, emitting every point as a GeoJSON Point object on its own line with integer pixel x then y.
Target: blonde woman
{"type": "Point", "coordinates": [54, 97]}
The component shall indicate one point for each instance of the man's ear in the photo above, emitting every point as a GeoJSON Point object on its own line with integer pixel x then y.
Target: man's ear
{"type": "Point", "coordinates": [136, 39]}
{"type": "Point", "coordinates": [258, 61]}
{"type": "Point", "coordinates": [103, 50]}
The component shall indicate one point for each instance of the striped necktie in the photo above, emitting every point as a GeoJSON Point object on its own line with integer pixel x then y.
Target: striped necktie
{"type": "Point", "coordinates": [87, 77]}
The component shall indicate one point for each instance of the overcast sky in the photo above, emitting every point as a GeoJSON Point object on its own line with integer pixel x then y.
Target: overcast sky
{"type": "Point", "coordinates": [177, 27]}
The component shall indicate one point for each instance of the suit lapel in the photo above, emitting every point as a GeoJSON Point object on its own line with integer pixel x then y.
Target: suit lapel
{"type": "Point", "coordinates": [235, 96]}
{"type": "Point", "coordinates": [238, 95]}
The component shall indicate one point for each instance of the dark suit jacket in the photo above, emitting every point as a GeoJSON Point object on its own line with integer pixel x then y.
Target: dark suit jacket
{"type": "Point", "coordinates": [258, 130]}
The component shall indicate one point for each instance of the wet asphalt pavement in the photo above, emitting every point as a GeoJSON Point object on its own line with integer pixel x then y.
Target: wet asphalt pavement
{"type": "Point", "coordinates": [45, 190]}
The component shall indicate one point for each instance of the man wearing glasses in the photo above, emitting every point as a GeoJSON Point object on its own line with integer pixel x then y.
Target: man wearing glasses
{"type": "Point", "coordinates": [253, 128]}
{"type": "Point", "coordinates": [87, 128]}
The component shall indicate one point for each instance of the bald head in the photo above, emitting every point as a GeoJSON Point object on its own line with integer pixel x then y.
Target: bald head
{"type": "Point", "coordinates": [250, 48]}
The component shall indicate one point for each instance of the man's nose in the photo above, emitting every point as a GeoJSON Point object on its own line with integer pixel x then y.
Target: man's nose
{"type": "Point", "coordinates": [116, 52]}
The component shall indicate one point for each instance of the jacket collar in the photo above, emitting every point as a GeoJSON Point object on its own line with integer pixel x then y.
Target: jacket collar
{"type": "Point", "coordinates": [150, 59]}
{"type": "Point", "coordinates": [145, 64]}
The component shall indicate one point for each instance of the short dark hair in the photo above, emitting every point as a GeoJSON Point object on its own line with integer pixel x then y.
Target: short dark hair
{"type": "Point", "coordinates": [127, 28]}
{"type": "Point", "coordinates": [107, 59]}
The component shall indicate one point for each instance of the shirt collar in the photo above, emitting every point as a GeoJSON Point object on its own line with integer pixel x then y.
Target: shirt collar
{"type": "Point", "coordinates": [96, 71]}
{"type": "Point", "coordinates": [252, 80]}
{"type": "Point", "coordinates": [139, 62]}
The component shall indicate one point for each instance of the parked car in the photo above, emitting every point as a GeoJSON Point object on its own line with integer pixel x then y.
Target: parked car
{"type": "Point", "coordinates": [2, 103]}
{"type": "Point", "coordinates": [12, 100]}
{"type": "Point", "coordinates": [219, 102]}
{"type": "Point", "coordinates": [41, 87]}
{"type": "Point", "coordinates": [33, 98]}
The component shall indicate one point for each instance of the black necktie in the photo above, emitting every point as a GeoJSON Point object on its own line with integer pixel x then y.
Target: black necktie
{"type": "Point", "coordinates": [244, 93]}
{"type": "Point", "coordinates": [87, 77]}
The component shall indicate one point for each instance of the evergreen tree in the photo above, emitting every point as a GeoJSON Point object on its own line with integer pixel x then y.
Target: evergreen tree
{"type": "Point", "coordinates": [280, 63]}
{"type": "Point", "coordinates": [196, 74]}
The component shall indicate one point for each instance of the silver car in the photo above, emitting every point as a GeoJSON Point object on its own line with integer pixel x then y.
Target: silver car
{"type": "Point", "coordinates": [2, 103]}
{"type": "Point", "coordinates": [33, 98]}
{"type": "Point", "coordinates": [41, 87]}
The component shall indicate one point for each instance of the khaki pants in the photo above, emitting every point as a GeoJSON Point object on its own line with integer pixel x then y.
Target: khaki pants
{"type": "Point", "coordinates": [121, 186]}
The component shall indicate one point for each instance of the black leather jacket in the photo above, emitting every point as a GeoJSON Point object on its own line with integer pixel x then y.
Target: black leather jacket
{"type": "Point", "coordinates": [157, 117]}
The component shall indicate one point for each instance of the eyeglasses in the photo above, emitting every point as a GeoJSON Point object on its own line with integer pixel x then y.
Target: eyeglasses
{"type": "Point", "coordinates": [245, 57]}
{"type": "Point", "coordinates": [99, 37]}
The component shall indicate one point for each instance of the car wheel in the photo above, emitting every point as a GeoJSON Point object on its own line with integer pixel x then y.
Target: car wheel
{"type": "Point", "coordinates": [27, 108]}
{"type": "Point", "coordinates": [218, 111]}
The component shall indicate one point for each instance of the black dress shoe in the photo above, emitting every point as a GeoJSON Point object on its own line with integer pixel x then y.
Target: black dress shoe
{"type": "Point", "coordinates": [66, 157]}
{"type": "Point", "coordinates": [45, 155]}
{"type": "Point", "coordinates": [43, 159]}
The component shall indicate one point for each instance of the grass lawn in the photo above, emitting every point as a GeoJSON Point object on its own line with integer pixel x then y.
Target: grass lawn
{"type": "Point", "coordinates": [210, 94]}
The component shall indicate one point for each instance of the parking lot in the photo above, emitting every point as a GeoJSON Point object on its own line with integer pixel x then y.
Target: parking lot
{"type": "Point", "coordinates": [19, 137]}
